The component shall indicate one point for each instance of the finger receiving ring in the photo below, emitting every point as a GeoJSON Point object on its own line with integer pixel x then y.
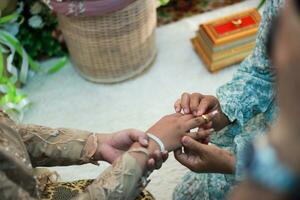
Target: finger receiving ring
{"type": "Point", "coordinates": [205, 118]}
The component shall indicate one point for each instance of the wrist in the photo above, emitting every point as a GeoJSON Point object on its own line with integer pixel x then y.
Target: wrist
{"type": "Point", "coordinates": [220, 121]}
{"type": "Point", "coordinates": [152, 147]}
{"type": "Point", "coordinates": [229, 162]}
{"type": "Point", "coordinates": [102, 139]}
{"type": "Point", "coordinates": [225, 162]}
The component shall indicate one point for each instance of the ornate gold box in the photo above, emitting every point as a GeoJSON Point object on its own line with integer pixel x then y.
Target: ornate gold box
{"type": "Point", "coordinates": [228, 40]}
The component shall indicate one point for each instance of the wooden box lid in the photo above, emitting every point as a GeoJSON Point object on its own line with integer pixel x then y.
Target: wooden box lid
{"type": "Point", "coordinates": [234, 27]}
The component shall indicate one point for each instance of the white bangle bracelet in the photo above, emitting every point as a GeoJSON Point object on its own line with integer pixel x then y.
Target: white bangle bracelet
{"type": "Point", "coordinates": [157, 141]}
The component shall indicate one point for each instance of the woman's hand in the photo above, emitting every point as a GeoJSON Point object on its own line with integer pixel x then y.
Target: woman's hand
{"type": "Point", "coordinates": [171, 128]}
{"type": "Point", "coordinates": [202, 158]}
{"type": "Point", "coordinates": [199, 104]}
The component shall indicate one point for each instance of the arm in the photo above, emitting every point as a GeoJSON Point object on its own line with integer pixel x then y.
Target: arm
{"type": "Point", "coordinates": [251, 90]}
{"type": "Point", "coordinates": [50, 147]}
{"type": "Point", "coordinates": [54, 147]}
{"type": "Point", "coordinates": [123, 179]}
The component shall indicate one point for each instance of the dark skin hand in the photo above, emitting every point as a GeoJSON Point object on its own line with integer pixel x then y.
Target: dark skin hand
{"type": "Point", "coordinates": [203, 158]}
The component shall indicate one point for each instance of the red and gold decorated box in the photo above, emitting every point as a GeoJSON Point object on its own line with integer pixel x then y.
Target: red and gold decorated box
{"type": "Point", "coordinates": [228, 40]}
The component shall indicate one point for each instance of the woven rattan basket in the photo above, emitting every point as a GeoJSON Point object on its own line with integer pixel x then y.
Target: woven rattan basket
{"type": "Point", "coordinates": [114, 47]}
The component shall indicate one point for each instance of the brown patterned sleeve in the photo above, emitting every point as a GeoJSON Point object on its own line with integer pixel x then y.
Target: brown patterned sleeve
{"type": "Point", "coordinates": [57, 147]}
{"type": "Point", "coordinates": [121, 181]}
{"type": "Point", "coordinates": [10, 190]}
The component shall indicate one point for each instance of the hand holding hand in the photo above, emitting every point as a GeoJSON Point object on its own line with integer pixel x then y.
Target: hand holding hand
{"type": "Point", "coordinates": [112, 146]}
{"type": "Point", "coordinates": [199, 104]}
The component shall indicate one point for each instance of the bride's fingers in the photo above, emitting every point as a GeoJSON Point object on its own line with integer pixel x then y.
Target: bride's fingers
{"type": "Point", "coordinates": [200, 121]}
{"type": "Point", "coordinates": [187, 117]}
{"type": "Point", "coordinates": [177, 106]}
{"type": "Point", "coordinates": [185, 103]}
{"type": "Point", "coordinates": [208, 125]}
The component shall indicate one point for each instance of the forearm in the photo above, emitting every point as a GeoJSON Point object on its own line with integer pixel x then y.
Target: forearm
{"type": "Point", "coordinates": [227, 164]}
{"type": "Point", "coordinates": [57, 147]}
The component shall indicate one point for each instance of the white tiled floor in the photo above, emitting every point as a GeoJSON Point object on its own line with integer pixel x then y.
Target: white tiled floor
{"type": "Point", "coordinates": [66, 100]}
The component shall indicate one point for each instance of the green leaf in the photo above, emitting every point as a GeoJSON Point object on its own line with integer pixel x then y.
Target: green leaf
{"type": "Point", "coordinates": [262, 2]}
{"type": "Point", "coordinates": [163, 2]}
{"type": "Point", "coordinates": [14, 41]}
{"type": "Point", "coordinates": [60, 64]}
{"type": "Point", "coordinates": [1, 64]}
{"type": "Point", "coordinates": [9, 18]}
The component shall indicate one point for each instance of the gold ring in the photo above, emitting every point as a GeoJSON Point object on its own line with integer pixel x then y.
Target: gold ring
{"type": "Point", "coordinates": [205, 118]}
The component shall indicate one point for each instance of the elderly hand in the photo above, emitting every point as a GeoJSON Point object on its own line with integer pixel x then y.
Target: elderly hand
{"type": "Point", "coordinates": [202, 158]}
{"type": "Point", "coordinates": [199, 104]}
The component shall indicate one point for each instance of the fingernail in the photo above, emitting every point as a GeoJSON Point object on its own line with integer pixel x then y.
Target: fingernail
{"type": "Point", "coordinates": [195, 113]}
{"type": "Point", "coordinates": [185, 140]}
{"type": "Point", "coordinates": [199, 113]}
{"type": "Point", "coordinates": [145, 142]}
{"type": "Point", "coordinates": [215, 112]}
{"type": "Point", "coordinates": [211, 130]}
{"type": "Point", "coordinates": [186, 111]}
{"type": "Point", "coordinates": [151, 161]}
{"type": "Point", "coordinates": [177, 109]}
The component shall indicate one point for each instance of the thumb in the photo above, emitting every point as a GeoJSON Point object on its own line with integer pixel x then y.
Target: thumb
{"type": "Point", "coordinates": [192, 144]}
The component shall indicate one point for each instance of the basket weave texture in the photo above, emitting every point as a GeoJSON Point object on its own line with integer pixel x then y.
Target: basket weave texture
{"type": "Point", "coordinates": [114, 47]}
